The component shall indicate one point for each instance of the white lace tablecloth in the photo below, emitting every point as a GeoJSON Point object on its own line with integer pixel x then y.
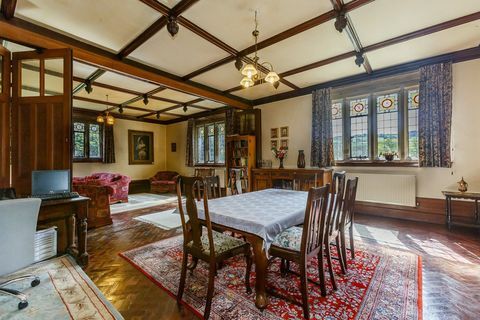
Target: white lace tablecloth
{"type": "Point", "coordinates": [264, 213]}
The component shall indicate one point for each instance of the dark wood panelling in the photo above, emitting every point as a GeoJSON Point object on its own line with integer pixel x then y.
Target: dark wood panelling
{"type": "Point", "coordinates": [5, 120]}
{"type": "Point", "coordinates": [41, 126]}
{"type": "Point", "coordinates": [427, 210]}
{"type": "Point", "coordinates": [143, 37]}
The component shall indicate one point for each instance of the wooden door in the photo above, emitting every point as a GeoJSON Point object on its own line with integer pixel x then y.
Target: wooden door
{"type": "Point", "coordinates": [4, 118]}
{"type": "Point", "coordinates": [41, 114]}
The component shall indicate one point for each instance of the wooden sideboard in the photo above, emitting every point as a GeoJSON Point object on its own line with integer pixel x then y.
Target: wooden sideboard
{"type": "Point", "coordinates": [298, 179]}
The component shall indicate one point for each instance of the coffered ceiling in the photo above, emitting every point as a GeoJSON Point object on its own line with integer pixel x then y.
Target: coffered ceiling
{"type": "Point", "coordinates": [298, 38]}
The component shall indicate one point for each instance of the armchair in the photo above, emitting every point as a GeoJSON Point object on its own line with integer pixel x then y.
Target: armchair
{"type": "Point", "coordinates": [117, 182]}
{"type": "Point", "coordinates": [164, 181]}
{"type": "Point", "coordinates": [18, 223]}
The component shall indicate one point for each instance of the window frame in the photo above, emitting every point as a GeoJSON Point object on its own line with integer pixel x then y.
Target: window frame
{"type": "Point", "coordinates": [403, 134]}
{"type": "Point", "coordinates": [87, 158]}
{"type": "Point", "coordinates": [205, 125]}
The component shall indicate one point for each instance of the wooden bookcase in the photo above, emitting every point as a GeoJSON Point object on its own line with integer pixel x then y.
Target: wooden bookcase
{"type": "Point", "coordinates": [241, 154]}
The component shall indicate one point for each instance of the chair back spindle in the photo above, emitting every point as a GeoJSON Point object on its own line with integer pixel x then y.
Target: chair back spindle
{"type": "Point", "coordinates": [212, 187]}
{"type": "Point", "coordinates": [349, 202]}
{"type": "Point", "coordinates": [336, 201]}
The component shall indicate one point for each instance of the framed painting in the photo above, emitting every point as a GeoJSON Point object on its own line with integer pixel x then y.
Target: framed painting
{"type": "Point", "coordinates": [284, 143]}
{"type": "Point", "coordinates": [273, 144]}
{"type": "Point", "coordinates": [274, 133]}
{"type": "Point", "coordinates": [140, 147]}
{"type": "Point", "coordinates": [284, 132]}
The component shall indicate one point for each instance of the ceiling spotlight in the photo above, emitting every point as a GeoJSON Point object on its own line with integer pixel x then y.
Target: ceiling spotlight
{"type": "Point", "coordinates": [238, 63]}
{"type": "Point", "coordinates": [145, 99]}
{"type": "Point", "coordinates": [276, 84]}
{"type": "Point", "coordinates": [120, 109]}
{"type": "Point", "coordinates": [359, 59]}
{"type": "Point", "coordinates": [341, 21]}
{"type": "Point", "coordinates": [185, 108]}
{"type": "Point", "coordinates": [158, 115]}
{"type": "Point", "coordinates": [88, 86]}
{"type": "Point", "coordinates": [172, 26]}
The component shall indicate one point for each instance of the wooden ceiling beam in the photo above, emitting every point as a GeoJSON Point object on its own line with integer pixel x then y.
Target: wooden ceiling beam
{"type": "Point", "coordinates": [314, 22]}
{"type": "Point", "coordinates": [94, 76]}
{"type": "Point", "coordinates": [19, 30]}
{"type": "Point", "coordinates": [181, 105]}
{"type": "Point", "coordinates": [93, 114]}
{"type": "Point", "coordinates": [197, 115]}
{"type": "Point", "coordinates": [8, 8]}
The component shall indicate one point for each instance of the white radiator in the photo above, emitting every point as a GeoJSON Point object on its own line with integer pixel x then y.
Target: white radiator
{"type": "Point", "coordinates": [397, 189]}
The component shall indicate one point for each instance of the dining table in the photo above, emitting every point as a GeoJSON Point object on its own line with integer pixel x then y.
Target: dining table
{"type": "Point", "coordinates": [258, 216]}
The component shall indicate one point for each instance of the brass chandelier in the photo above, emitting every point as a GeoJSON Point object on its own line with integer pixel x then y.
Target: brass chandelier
{"type": "Point", "coordinates": [257, 71]}
{"type": "Point", "coordinates": [106, 117]}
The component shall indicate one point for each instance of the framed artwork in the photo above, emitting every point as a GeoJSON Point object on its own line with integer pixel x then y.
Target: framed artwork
{"type": "Point", "coordinates": [274, 133]}
{"type": "Point", "coordinates": [284, 143]}
{"type": "Point", "coordinates": [140, 147]}
{"type": "Point", "coordinates": [284, 132]}
{"type": "Point", "coordinates": [273, 144]}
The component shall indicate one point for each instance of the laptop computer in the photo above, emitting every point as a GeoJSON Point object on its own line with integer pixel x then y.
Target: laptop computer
{"type": "Point", "coordinates": [52, 184]}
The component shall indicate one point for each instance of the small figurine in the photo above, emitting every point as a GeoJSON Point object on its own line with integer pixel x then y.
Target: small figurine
{"type": "Point", "coordinates": [462, 185]}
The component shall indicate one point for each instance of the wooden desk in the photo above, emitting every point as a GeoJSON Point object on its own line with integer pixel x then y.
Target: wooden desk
{"type": "Point", "coordinates": [70, 218]}
{"type": "Point", "coordinates": [455, 194]}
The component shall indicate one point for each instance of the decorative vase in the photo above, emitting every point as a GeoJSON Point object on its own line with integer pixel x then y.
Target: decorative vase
{"type": "Point", "coordinates": [301, 159]}
{"type": "Point", "coordinates": [389, 157]}
{"type": "Point", "coordinates": [462, 185]}
{"type": "Point", "coordinates": [281, 163]}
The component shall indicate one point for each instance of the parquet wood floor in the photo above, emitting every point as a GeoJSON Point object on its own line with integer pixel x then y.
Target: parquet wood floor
{"type": "Point", "coordinates": [451, 271]}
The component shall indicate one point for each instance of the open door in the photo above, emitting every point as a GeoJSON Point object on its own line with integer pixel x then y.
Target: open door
{"type": "Point", "coordinates": [4, 118]}
{"type": "Point", "coordinates": [41, 114]}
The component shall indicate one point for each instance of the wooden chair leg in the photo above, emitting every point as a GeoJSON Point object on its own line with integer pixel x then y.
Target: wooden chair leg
{"type": "Point", "coordinates": [304, 289]}
{"type": "Point", "coordinates": [352, 247]}
{"type": "Point", "coordinates": [183, 277]}
{"type": "Point", "coordinates": [330, 266]}
{"type": "Point", "coordinates": [344, 248]}
{"type": "Point", "coordinates": [321, 273]}
{"type": "Point", "coordinates": [248, 257]}
{"type": "Point", "coordinates": [210, 290]}
{"type": "Point", "coordinates": [193, 265]}
{"type": "Point", "coordinates": [341, 260]}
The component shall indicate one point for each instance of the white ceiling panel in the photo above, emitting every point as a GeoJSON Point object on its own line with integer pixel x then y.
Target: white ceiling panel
{"type": "Point", "coordinates": [89, 105]}
{"type": "Point", "coordinates": [153, 105]}
{"type": "Point", "coordinates": [458, 38]}
{"type": "Point", "coordinates": [131, 112]}
{"type": "Point", "coordinates": [210, 104]}
{"type": "Point", "coordinates": [82, 70]}
{"type": "Point", "coordinates": [233, 21]}
{"type": "Point", "coordinates": [162, 117]}
{"type": "Point", "coordinates": [260, 91]}
{"type": "Point", "coordinates": [180, 55]}
{"type": "Point", "coordinates": [221, 78]}
{"type": "Point", "coordinates": [175, 95]}
{"type": "Point", "coordinates": [13, 47]}
{"type": "Point", "coordinates": [121, 81]}
{"type": "Point", "coordinates": [100, 94]}
{"type": "Point", "coordinates": [326, 73]}
{"type": "Point", "coordinates": [106, 23]}
{"type": "Point", "coordinates": [169, 3]}
{"type": "Point", "coordinates": [316, 44]}
{"type": "Point", "coordinates": [385, 19]}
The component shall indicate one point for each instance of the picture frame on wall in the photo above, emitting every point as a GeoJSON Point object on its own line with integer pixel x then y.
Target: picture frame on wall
{"type": "Point", "coordinates": [140, 147]}
{"type": "Point", "coordinates": [284, 132]}
{"type": "Point", "coordinates": [273, 133]}
{"type": "Point", "coordinates": [274, 144]}
{"type": "Point", "coordinates": [284, 143]}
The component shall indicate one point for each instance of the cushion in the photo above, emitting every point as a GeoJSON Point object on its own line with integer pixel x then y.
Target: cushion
{"type": "Point", "coordinates": [221, 241]}
{"type": "Point", "coordinates": [289, 239]}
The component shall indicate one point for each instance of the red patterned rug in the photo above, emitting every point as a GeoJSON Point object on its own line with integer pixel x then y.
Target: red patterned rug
{"type": "Point", "coordinates": [380, 284]}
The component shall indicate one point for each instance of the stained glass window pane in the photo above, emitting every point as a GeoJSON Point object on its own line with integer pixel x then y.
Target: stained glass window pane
{"type": "Point", "coordinates": [200, 145]}
{"type": "Point", "coordinates": [413, 99]}
{"type": "Point", "coordinates": [79, 145]}
{"type": "Point", "coordinates": [387, 103]}
{"type": "Point", "coordinates": [221, 142]}
{"type": "Point", "coordinates": [359, 107]}
{"type": "Point", "coordinates": [337, 110]}
{"type": "Point", "coordinates": [387, 133]}
{"type": "Point", "coordinates": [337, 127]}
{"type": "Point", "coordinates": [211, 149]}
{"type": "Point", "coordinates": [413, 134]}
{"type": "Point", "coordinates": [359, 137]}
{"type": "Point", "coordinates": [78, 126]}
{"type": "Point", "coordinates": [94, 141]}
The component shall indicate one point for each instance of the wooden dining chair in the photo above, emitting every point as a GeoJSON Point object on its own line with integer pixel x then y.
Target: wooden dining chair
{"type": "Point", "coordinates": [204, 172]}
{"type": "Point", "coordinates": [347, 218]}
{"type": "Point", "coordinates": [212, 247]}
{"type": "Point", "coordinates": [299, 245]}
{"type": "Point", "coordinates": [212, 187]}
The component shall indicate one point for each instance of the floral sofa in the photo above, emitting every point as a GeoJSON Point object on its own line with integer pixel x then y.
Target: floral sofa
{"type": "Point", "coordinates": [164, 181]}
{"type": "Point", "coordinates": [117, 182]}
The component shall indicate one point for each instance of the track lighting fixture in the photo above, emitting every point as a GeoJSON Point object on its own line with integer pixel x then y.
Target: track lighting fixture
{"type": "Point", "coordinates": [341, 20]}
{"type": "Point", "coordinates": [238, 63]}
{"type": "Point", "coordinates": [172, 26]}
{"type": "Point", "coordinates": [120, 109]}
{"type": "Point", "coordinates": [359, 58]}
{"type": "Point", "coordinates": [88, 86]}
{"type": "Point", "coordinates": [185, 108]}
{"type": "Point", "coordinates": [145, 99]}
{"type": "Point", "coordinates": [158, 115]}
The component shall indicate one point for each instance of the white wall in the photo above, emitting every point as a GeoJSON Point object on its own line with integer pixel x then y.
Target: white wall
{"type": "Point", "coordinates": [296, 113]}
{"type": "Point", "coordinates": [138, 171]}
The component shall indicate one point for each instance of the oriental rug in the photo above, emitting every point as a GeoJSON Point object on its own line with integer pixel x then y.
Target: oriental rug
{"type": "Point", "coordinates": [381, 283]}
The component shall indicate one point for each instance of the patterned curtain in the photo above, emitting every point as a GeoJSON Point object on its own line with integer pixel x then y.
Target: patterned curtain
{"type": "Point", "coordinates": [230, 122]}
{"type": "Point", "coordinates": [435, 115]}
{"type": "Point", "coordinates": [322, 136]}
{"type": "Point", "coordinates": [189, 144]}
{"type": "Point", "coordinates": [109, 145]}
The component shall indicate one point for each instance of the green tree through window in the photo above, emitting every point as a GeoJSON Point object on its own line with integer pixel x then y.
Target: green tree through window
{"type": "Point", "coordinates": [87, 141]}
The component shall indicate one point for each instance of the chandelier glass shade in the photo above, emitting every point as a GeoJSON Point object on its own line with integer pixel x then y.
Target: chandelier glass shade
{"type": "Point", "coordinates": [106, 117]}
{"type": "Point", "coordinates": [255, 71]}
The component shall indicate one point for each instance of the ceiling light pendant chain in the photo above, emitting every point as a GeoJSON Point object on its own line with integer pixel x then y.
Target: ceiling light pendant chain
{"type": "Point", "coordinates": [107, 118]}
{"type": "Point", "coordinates": [252, 72]}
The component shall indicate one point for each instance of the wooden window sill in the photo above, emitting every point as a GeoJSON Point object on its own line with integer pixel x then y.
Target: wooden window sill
{"type": "Point", "coordinates": [211, 165]}
{"type": "Point", "coordinates": [376, 163]}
